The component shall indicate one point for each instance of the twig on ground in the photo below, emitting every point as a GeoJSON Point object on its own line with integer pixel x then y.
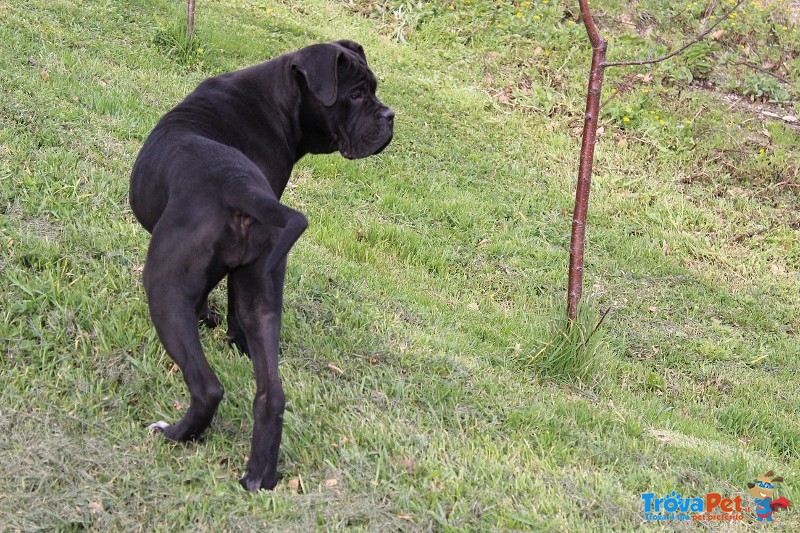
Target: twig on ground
{"type": "Point", "coordinates": [764, 71]}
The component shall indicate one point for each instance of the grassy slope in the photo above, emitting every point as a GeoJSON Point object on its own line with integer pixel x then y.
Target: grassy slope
{"type": "Point", "coordinates": [430, 275]}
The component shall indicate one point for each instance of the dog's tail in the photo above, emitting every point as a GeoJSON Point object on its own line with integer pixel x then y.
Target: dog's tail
{"type": "Point", "coordinates": [248, 203]}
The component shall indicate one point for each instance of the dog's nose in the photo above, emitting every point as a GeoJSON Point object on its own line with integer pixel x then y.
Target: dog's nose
{"type": "Point", "coordinates": [387, 114]}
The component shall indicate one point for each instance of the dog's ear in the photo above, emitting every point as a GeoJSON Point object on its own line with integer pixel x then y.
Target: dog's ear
{"type": "Point", "coordinates": [318, 65]}
{"type": "Point", "coordinates": [354, 46]}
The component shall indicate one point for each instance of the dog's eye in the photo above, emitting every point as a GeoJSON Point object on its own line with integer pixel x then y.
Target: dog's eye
{"type": "Point", "coordinates": [355, 95]}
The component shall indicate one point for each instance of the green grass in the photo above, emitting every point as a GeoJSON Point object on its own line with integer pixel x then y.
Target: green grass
{"type": "Point", "coordinates": [432, 275]}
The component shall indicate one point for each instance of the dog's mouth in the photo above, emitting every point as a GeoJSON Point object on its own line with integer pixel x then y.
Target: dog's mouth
{"type": "Point", "coordinates": [384, 145]}
{"type": "Point", "coordinates": [369, 145]}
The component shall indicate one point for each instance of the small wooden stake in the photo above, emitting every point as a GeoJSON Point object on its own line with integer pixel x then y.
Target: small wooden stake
{"type": "Point", "coordinates": [190, 21]}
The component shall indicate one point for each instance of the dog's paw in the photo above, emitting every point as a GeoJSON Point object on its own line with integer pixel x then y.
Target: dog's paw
{"type": "Point", "coordinates": [157, 427]}
{"type": "Point", "coordinates": [254, 483]}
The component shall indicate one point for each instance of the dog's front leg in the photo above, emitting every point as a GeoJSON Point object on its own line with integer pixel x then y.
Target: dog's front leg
{"type": "Point", "coordinates": [259, 298]}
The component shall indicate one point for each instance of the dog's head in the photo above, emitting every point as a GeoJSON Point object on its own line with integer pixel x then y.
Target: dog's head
{"type": "Point", "coordinates": [340, 110]}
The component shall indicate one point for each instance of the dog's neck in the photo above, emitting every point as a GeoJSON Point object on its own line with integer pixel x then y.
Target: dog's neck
{"type": "Point", "coordinates": [278, 119]}
{"type": "Point", "coordinates": [273, 118]}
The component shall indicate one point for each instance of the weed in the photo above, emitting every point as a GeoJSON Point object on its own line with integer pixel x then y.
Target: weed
{"type": "Point", "coordinates": [763, 87]}
{"type": "Point", "coordinates": [407, 17]}
{"type": "Point", "coordinates": [638, 111]}
{"type": "Point", "coordinates": [696, 63]}
{"type": "Point", "coordinates": [401, 18]}
{"type": "Point", "coordinates": [700, 60]}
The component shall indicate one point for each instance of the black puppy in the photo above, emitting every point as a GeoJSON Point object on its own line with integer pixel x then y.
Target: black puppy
{"type": "Point", "coordinates": [206, 184]}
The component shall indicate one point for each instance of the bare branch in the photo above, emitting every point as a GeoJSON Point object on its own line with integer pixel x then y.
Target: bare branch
{"type": "Point", "coordinates": [595, 37]}
{"type": "Point", "coordinates": [691, 43]}
{"type": "Point", "coordinates": [765, 71]}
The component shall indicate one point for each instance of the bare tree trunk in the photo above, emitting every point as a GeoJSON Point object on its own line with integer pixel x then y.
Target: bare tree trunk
{"type": "Point", "coordinates": [578, 240]}
{"type": "Point", "coordinates": [190, 21]}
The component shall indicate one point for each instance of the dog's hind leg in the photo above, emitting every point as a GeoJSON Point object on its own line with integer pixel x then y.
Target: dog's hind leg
{"type": "Point", "coordinates": [176, 282]}
{"type": "Point", "coordinates": [258, 299]}
{"type": "Point", "coordinates": [258, 303]}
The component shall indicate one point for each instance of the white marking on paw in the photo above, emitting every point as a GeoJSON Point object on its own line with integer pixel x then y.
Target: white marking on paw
{"type": "Point", "coordinates": [157, 427]}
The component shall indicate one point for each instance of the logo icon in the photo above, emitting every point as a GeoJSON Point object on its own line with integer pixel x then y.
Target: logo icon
{"type": "Point", "coordinates": [762, 491]}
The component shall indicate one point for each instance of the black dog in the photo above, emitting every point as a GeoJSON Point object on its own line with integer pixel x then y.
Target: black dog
{"type": "Point", "coordinates": [206, 184]}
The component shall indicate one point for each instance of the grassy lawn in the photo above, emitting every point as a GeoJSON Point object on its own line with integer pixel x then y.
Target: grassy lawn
{"type": "Point", "coordinates": [433, 275]}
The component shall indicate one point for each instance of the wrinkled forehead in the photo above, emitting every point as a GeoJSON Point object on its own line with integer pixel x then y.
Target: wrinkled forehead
{"type": "Point", "coordinates": [353, 70]}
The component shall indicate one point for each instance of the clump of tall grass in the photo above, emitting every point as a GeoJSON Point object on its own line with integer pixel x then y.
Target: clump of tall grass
{"type": "Point", "coordinates": [574, 349]}
{"type": "Point", "coordinates": [175, 40]}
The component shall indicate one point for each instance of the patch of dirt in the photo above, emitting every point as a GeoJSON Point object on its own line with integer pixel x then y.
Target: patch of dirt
{"type": "Point", "coordinates": [794, 10]}
{"type": "Point", "coordinates": [763, 111]}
